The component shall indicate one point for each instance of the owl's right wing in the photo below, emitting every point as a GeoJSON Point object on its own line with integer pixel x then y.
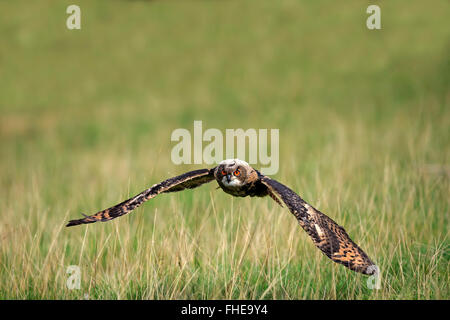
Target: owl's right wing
{"type": "Point", "coordinates": [326, 234]}
{"type": "Point", "coordinates": [188, 180]}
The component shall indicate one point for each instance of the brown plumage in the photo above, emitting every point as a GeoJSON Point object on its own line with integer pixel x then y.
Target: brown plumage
{"type": "Point", "coordinates": [326, 234]}
{"type": "Point", "coordinates": [239, 179]}
{"type": "Point", "coordinates": [188, 180]}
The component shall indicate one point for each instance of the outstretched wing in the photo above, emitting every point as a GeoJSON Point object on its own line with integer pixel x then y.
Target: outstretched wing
{"type": "Point", "coordinates": [326, 234]}
{"type": "Point", "coordinates": [188, 180]}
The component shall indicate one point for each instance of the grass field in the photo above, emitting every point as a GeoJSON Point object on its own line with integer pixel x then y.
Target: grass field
{"type": "Point", "coordinates": [86, 118]}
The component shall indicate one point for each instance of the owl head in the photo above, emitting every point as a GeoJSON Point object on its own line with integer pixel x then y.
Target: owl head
{"type": "Point", "coordinates": [233, 172]}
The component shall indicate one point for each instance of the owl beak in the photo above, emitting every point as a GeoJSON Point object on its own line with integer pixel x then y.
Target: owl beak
{"type": "Point", "coordinates": [228, 177]}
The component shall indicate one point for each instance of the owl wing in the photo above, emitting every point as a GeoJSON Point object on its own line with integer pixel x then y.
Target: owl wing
{"type": "Point", "coordinates": [326, 234]}
{"type": "Point", "coordinates": [188, 180]}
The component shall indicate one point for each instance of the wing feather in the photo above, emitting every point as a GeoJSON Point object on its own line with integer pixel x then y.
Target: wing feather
{"type": "Point", "coordinates": [326, 234]}
{"type": "Point", "coordinates": [188, 180]}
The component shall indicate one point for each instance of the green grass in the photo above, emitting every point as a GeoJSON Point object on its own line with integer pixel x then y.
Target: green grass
{"type": "Point", "coordinates": [86, 118]}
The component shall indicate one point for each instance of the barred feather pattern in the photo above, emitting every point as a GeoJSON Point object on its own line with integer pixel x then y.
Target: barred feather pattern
{"type": "Point", "coordinates": [188, 180]}
{"type": "Point", "coordinates": [326, 234]}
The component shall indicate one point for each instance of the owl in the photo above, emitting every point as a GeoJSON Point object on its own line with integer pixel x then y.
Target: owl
{"type": "Point", "coordinates": [239, 179]}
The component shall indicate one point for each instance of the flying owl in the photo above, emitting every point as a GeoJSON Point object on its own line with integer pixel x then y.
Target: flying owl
{"type": "Point", "coordinates": [239, 179]}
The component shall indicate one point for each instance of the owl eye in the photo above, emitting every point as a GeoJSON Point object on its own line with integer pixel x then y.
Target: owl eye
{"type": "Point", "coordinates": [224, 173]}
{"type": "Point", "coordinates": [237, 172]}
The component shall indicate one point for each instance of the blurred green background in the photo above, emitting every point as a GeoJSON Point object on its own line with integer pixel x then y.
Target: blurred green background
{"type": "Point", "coordinates": [86, 117]}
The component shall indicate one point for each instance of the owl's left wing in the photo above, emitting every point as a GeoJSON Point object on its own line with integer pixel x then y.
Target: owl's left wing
{"type": "Point", "coordinates": [188, 180]}
{"type": "Point", "coordinates": [326, 234]}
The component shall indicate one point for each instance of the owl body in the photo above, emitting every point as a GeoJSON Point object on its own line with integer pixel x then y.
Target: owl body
{"type": "Point", "coordinates": [239, 179]}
